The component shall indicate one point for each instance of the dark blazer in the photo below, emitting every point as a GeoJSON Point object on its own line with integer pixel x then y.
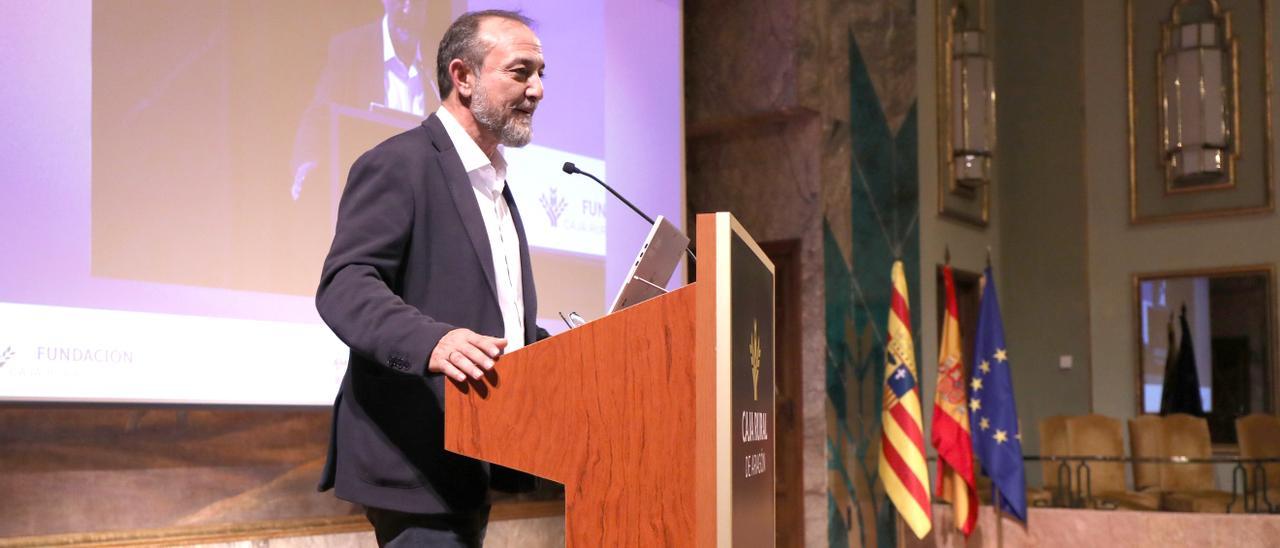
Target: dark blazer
{"type": "Point", "coordinates": [410, 261]}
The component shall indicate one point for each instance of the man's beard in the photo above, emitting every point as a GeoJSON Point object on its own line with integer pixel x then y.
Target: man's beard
{"type": "Point", "coordinates": [513, 128]}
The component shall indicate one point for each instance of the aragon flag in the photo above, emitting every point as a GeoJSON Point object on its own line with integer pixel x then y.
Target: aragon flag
{"type": "Point", "coordinates": [950, 434]}
{"type": "Point", "coordinates": [902, 465]}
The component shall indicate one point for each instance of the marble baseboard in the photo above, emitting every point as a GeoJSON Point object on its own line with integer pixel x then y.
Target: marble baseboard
{"type": "Point", "coordinates": [1112, 528]}
{"type": "Point", "coordinates": [523, 533]}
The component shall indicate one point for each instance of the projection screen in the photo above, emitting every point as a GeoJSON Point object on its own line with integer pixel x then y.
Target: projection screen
{"type": "Point", "coordinates": [172, 168]}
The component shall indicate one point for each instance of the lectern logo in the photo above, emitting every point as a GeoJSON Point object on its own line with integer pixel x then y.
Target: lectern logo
{"type": "Point", "coordinates": [554, 205]}
{"type": "Point", "coordinates": [754, 350]}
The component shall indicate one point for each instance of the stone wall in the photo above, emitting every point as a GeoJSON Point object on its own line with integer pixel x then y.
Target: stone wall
{"type": "Point", "coordinates": [800, 119]}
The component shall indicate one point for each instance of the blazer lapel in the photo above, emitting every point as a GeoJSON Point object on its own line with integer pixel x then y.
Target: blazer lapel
{"type": "Point", "coordinates": [526, 271]}
{"type": "Point", "coordinates": [464, 199]}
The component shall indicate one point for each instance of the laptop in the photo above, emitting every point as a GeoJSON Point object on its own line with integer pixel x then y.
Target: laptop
{"type": "Point", "coordinates": [654, 264]}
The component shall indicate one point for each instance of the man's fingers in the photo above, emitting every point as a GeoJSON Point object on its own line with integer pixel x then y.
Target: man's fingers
{"type": "Point", "coordinates": [464, 363]}
{"type": "Point", "coordinates": [447, 369]}
{"type": "Point", "coordinates": [489, 345]}
{"type": "Point", "coordinates": [477, 356]}
{"type": "Point", "coordinates": [463, 353]}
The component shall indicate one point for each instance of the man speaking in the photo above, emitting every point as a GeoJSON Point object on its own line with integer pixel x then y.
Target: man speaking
{"type": "Point", "coordinates": [429, 277]}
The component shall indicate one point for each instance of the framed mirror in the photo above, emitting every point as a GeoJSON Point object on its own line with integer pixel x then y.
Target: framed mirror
{"type": "Point", "coordinates": [1206, 344]}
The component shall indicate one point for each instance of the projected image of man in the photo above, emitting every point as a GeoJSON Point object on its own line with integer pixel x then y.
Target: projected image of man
{"type": "Point", "coordinates": [429, 277]}
{"type": "Point", "coordinates": [387, 62]}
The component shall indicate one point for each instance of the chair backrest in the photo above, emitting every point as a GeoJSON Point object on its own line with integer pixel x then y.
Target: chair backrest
{"type": "Point", "coordinates": [1146, 440]}
{"type": "Point", "coordinates": [1098, 435]}
{"type": "Point", "coordinates": [1053, 442]}
{"type": "Point", "coordinates": [1187, 436]}
{"type": "Point", "coordinates": [1259, 437]}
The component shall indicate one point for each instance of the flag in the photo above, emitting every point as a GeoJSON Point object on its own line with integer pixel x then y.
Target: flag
{"type": "Point", "coordinates": [997, 441]}
{"type": "Point", "coordinates": [1181, 390]}
{"type": "Point", "coordinates": [902, 466]}
{"type": "Point", "coordinates": [950, 434]}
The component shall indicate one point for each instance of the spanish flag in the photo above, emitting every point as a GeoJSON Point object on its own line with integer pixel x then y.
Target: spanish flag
{"type": "Point", "coordinates": [902, 465]}
{"type": "Point", "coordinates": [950, 433]}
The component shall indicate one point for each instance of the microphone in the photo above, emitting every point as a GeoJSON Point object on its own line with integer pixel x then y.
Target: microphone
{"type": "Point", "coordinates": [573, 170]}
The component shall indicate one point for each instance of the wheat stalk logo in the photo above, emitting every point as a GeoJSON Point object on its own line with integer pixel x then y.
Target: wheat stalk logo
{"type": "Point", "coordinates": [754, 350]}
{"type": "Point", "coordinates": [6, 355]}
{"type": "Point", "coordinates": [554, 205]}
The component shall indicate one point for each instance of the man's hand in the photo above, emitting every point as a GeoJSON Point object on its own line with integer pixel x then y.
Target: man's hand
{"type": "Point", "coordinates": [463, 353]}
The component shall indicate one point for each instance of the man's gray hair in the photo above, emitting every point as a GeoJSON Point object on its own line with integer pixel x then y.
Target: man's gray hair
{"type": "Point", "coordinates": [462, 41]}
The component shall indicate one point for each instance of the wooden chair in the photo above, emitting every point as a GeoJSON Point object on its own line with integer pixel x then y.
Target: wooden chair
{"type": "Point", "coordinates": [1103, 482]}
{"type": "Point", "coordinates": [1146, 440]}
{"type": "Point", "coordinates": [1190, 487]}
{"type": "Point", "coordinates": [1053, 443]}
{"type": "Point", "coordinates": [1259, 438]}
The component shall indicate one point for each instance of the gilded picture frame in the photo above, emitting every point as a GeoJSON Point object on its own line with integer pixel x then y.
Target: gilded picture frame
{"type": "Point", "coordinates": [1250, 188]}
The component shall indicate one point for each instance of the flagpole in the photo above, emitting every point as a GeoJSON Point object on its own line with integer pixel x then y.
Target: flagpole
{"type": "Point", "coordinates": [995, 505]}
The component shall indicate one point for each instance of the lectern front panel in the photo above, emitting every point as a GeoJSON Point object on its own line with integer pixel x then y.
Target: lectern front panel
{"type": "Point", "coordinates": [735, 345]}
{"type": "Point", "coordinates": [751, 359]}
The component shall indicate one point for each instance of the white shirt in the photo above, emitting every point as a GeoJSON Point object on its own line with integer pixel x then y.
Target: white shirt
{"type": "Point", "coordinates": [406, 87]}
{"type": "Point", "coordinates": [487, 180]}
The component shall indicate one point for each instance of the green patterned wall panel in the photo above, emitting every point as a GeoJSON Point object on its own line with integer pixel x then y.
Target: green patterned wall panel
{"type": "Point", "coordinates": [884, 213]}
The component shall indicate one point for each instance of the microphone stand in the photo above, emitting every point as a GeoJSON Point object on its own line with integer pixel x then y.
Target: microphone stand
{"type": "Point", "coordinates": [573, 170]}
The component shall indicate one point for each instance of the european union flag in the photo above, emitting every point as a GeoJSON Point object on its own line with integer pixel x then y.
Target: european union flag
{"type": "Point", "coordinates": [993, 417]}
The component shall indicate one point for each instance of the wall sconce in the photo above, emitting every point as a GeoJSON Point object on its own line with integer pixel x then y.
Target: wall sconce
{"type": "Point", "coordinates": [966, 101]}
{"type": "Point", "coordinates": [973, 104]}
{"type": "Point", "coordinates": [1198, 87]}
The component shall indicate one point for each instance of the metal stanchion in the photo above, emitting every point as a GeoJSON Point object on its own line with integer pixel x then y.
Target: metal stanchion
{"type": "Point", "coordinates": [1085, 493]}
{"type": "Point", "coordinates": [1261, 486]}
{"type": "Point", "coordinates": [1063, 492]}
{"type": "Point", "coordinates": [1239, 487]}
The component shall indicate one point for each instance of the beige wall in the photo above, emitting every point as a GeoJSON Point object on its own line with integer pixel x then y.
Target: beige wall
{"type": "Point", "coordinates": [1062, 243]}
{"type": "Point", "coordinates": [1038, 206]}
{"type": "Point", "coordinates": [1044, 281]}
{"type": "Point", "coordinates": [1063, 246]}
{"type": "Point", "coordinates": [968, 243]}
{"type": "Point", "coordinates": [1118, 250]}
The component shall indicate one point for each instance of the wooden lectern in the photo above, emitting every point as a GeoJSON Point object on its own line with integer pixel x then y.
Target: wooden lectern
{"type": "Point", "coordinates": [658, 419]}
